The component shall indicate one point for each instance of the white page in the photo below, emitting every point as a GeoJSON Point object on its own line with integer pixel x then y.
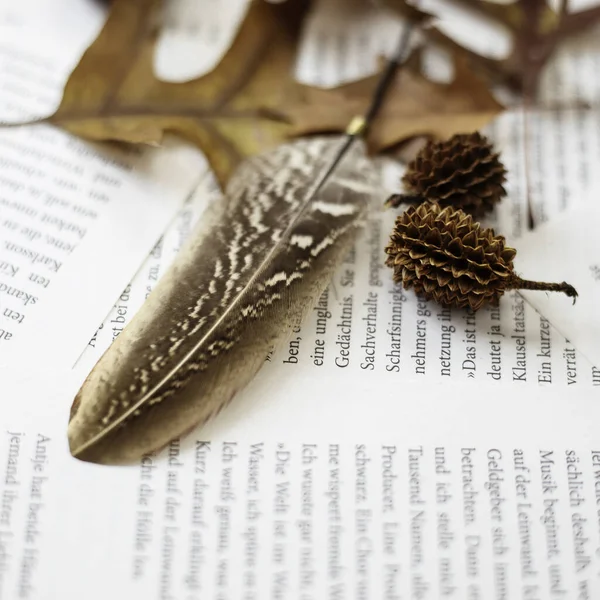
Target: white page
{"type": "Point", "coordinates": [76, 219]}
{"type": "Point", "coordinates": [192, 535]}
{"type": "Point", "coordinates": [485, 494]}
{"type": "Point", "coordinates": [76, 21]}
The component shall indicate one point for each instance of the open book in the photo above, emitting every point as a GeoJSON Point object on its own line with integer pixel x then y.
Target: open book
{"type": "Point", "coordinates": [390, 449]}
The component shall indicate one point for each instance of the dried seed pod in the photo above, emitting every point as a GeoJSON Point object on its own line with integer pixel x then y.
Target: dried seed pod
{"type": "Point", "coordinates": [446, 256]}
{"type": "Point", "coordinates": [463, 172]}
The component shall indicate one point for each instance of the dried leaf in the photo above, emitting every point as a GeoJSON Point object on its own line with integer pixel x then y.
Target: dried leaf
{"type": "Point", "coordinates": [230, 113]}
{"type": "Point", "coordinates": [537, 31]}
{"type": "Point", "coordinates": [250, 102]}
{"type": "Point", "coordinates": [420, 106]}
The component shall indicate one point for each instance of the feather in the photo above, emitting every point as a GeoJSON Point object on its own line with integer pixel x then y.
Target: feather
{"type": "Point", "coordinates": [253, 267]}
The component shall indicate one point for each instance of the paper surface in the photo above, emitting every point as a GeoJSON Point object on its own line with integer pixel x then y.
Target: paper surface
{"type": "Point", "coordinates": [76, 22]}
{"type": "Point", "coordinates": [423, 491]}
{"type": "Point", "coordinates": [390, 449]}
{"type": "Point", "coordinates": [76, 219]}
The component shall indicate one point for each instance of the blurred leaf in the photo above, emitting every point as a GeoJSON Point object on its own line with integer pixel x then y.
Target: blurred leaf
{"type": "Point", "coordinates": [537, 31]}
{"type": "Point", "coordinates": [230, 113]}
{"type": "Point", "coordinates": [250, 101]}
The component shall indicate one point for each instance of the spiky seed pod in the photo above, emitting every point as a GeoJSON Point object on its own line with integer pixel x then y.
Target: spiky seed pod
{"type": "Point", "coordinates": [463, 172]}
{"type": "Point", "coordinates": [446, 256]}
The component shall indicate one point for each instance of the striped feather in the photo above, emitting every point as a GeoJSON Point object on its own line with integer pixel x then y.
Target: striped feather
{"type": "Point", "coordinates": [255, 265]}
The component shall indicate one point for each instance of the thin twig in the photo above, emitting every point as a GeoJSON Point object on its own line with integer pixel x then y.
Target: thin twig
{"type": "Point", "coordinates": [387, 77]}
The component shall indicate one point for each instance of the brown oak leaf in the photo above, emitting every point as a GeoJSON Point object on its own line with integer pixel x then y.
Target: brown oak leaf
{"type": "Point", "coordinates": [230, 113]}
{"type": "Point", "coordinates": [250, 101]}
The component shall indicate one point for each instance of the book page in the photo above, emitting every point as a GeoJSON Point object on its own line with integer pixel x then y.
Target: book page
{"type": "Point", "coordinates": [389, 449]}
{"type": "Point", "coordinates": [425, 491]}
{"type": "Point", "coordinates": [76, 219]}
{"type": "Point", "coordinates": [77, 22]}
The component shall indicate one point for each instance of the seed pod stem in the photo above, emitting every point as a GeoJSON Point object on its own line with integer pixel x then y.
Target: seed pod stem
{"type": "Point", "coordinates": [516, 283]}
{"type": "Point", "coordinates": [396, 200]}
